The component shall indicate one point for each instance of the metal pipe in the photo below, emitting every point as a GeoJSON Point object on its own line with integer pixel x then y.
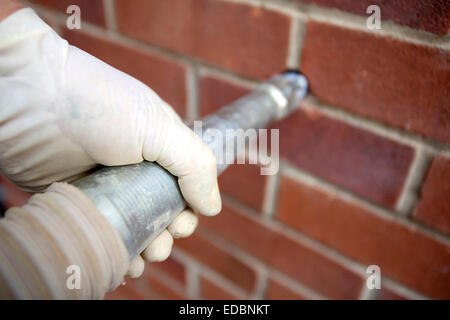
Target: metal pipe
{"type": "Point", "coordinates": [141, 200]}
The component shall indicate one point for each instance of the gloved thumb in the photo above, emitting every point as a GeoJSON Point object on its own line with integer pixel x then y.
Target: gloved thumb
{"type": "Point", "coordinates": [176, 148]}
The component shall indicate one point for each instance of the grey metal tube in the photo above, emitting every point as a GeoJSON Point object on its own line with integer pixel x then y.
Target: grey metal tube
{"type": "Point", "coordinates": [141, 200]}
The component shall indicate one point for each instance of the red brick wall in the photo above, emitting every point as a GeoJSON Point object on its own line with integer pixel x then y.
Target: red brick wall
{"type": "Point", "coordinates": [365, 172]}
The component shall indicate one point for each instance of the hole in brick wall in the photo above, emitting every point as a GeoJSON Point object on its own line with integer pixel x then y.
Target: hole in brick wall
{"type": "Point", "coordinates": [296, 71]}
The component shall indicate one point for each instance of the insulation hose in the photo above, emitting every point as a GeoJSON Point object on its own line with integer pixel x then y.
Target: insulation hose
{"type": "Point", "coordinates": [52, 232]}
{"type": "Point", "coordinates": [96, 226]}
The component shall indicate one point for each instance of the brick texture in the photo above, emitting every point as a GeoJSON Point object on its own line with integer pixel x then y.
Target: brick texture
{"type": "Point", "coordinates": [429, 15]}
{"type": "Point", "coordinates": [215, 93]}
{"type": "Point", "coordinates": [434, 206]}
{"type": "Point", "coordinates": [156, 289]}
{"type": "Point", "coordinates": [277, 291]}
{"type": "Point", "coordinates": [369, 165]}
{"type": "Point", "coordinates": [399, 83]}
{"type": "Point", "coordinates": [285, 254]}
{"type": "Point", "coordinates": [244, 183]}
{"type": "Point", "coordinates": [171, 267]}
{"type": "Point", "coordinates": [152, 286]}
{"type": "Point", "coordinates": [401, 252]}
{"type": "Point", "coordinates": [387, 294]}
{"type": "Point", "coordinates": [239, 37]}
{"type": "Point", "coordinates": [124, 292]}
{"type": "Point", "coordinates": [91, 11]}
{"type": "Point", "coordinates": [219, 260]}
{"type": "Point", "coordinates": [166, 77]}
{"type": "Point", "coordinates": [212, 291]}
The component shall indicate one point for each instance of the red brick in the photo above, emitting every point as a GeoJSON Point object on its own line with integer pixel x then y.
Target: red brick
{"type": "Point", "coordinates": [367, 164]}
{"type": "Point", "coordinates": [277, 291]}
{"type": "Point", "coordinates": [249, 40]}
{"type": "Point", "coordinates": [147, 287]}
{"type": "Point", "coordinates": [434, 206]}
{"type": "Point", "coordinates": [245, 183]}
{"type": "Point", "coordinates": [91, 11]}
{"type": "Point", "coordinates": [165, 77]}
{"type": "Point", "coordinates": [212, 291]}
{"type": "Point", "coordinates": [399, 83]}
{"type": "Point", "coordinates": [171, 267]}
{"type": "Point", "coordinates": [215, 93]}
{"type": "Point", "coordinates": [288, 255]}
{"type": "Point", "coordinates": [219, 260]}
{"type": "Point", "coordinates": [124, 292]}
{"type": "Point", "coordinates": [402, 253]}
{"type": "Point", "coordinates": [429, 15]}
{"type": "Point", "coordinates": [151, 286]}
{"type": "Point", "coordinates": [12, 195]}
{"type": "Point", "coordinates": [157, 290]}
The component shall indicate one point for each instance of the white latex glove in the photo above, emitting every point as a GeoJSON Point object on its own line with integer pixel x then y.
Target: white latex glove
{"type": "Point", "coordinates": [62, 112]}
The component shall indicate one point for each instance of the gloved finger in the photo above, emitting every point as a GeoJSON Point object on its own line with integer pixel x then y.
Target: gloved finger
{"type": "Point", "coordinates": [136, 267]}
{"type": "Point", "coordinates": [184, 224]}
{"type": "Point", "coordinates": [176, 147]}
{"type": "Point", "coordinates": [159, 249]}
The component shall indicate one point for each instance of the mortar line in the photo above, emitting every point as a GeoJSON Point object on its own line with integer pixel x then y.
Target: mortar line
{"type": "Point", "coordinates": [232, 78]}
{"type": "Point", "coordinates": [110, 14]}
{"type": "Point", "coordinates": [193, 281]}
{"type": "Point", "coordinates": [233, 250]}
{"type": "Point", "coordinates": [261, 284]}
{"type": "Point", "coordinates": [388, 28]}
{"type": "Point", "coordinates": [192, 93]}
{"type": "Point", "coordinates": [270, 196]}
{"type": "Point", "coordinates": [353, 21]}
{"type": "Point", "coordinates": [223, 283]}
{"type": "Point", "coordinates": [296, 35]}
{"type": "Point", "coordinates": [236, 252]}
{"type": "Point", "coordinates": [410, 194]}
{"type": "Point", "coordinates": [328, 252]}
{"type": "Point", "coordinates": [210, 274]}
{"type": "Point", "coordinates": [311, 180]}
{"type": "Point", "coordinates": [402, 290]}
{"type": "Point", "coordinates": [366, 293]}
{"type": "Point", "coordinates": [169, 281]}
{"type": "Point", "coordinates": [397, 134]}
{"type": "Point", "coordinates": [191, 273]}
{"type": "Point", "coordinates": [296, 286]}
{"type": "Point", "coordinates": [298, 237]}
{"type": "Point", "coordinates": [243, 255]}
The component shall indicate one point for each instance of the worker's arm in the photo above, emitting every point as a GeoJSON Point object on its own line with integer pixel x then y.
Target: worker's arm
{"type": "Point", "coordinates": [63, 112]}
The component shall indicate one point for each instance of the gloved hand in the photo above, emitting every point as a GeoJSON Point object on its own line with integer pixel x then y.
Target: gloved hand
{"type": "Point", "coordinates": [63, 112]}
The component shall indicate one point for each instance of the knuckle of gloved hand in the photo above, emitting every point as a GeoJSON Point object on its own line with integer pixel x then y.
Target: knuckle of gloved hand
{"type": "Point", "coordinates": [184, 224]}
{"type": "Point", "coordinates": [160, 248]}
